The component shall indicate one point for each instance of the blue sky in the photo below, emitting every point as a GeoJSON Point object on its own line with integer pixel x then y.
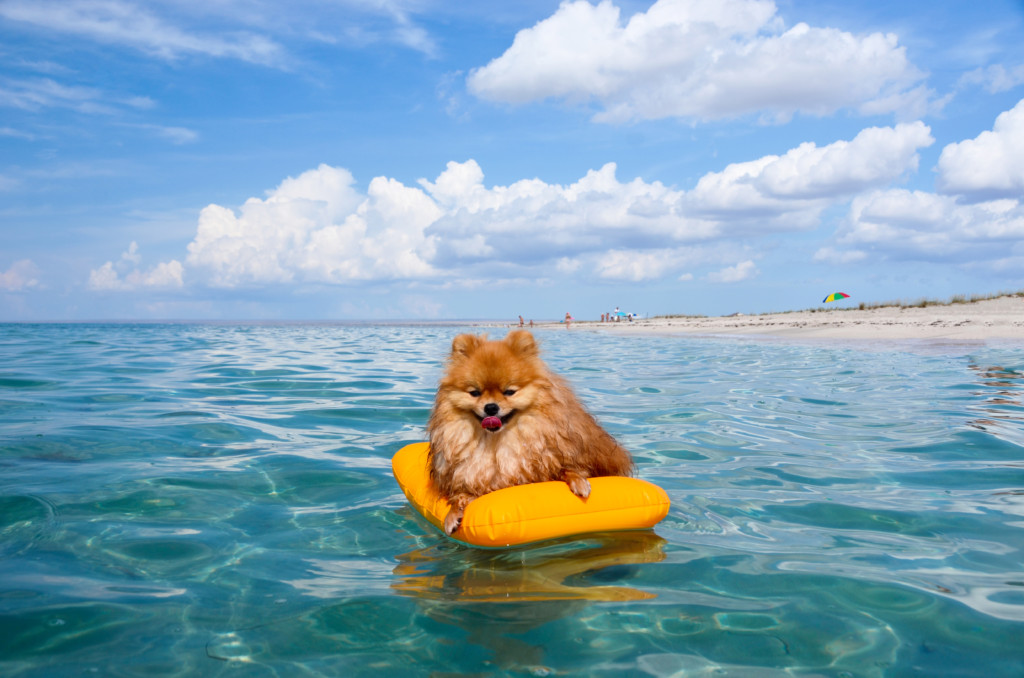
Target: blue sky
{"type": "Point", "coordinates": [421, 159]}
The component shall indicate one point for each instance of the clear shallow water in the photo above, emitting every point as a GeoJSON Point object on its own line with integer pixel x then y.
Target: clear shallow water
{"type": "Point", "coordinates": [217, 500]}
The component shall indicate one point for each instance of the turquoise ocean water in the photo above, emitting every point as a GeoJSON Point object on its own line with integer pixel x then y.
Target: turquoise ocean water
{"type": "Point", "coordinates": [217, 500]}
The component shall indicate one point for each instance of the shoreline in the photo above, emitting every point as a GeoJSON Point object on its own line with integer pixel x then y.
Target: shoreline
{"type": "Point", "coordinates": [1001, 318]}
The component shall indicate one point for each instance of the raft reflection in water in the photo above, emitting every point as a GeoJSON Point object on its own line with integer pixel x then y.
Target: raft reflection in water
{"type": "Point", "coordinates": [560, 570]}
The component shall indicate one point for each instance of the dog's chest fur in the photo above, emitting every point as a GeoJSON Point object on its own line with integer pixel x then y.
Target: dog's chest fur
{"type": "Point", "coordinates": [490, 461]}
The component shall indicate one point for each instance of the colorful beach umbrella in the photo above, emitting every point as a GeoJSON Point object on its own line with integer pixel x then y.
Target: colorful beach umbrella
{"type": "Point", "coordinates": [835, 296]}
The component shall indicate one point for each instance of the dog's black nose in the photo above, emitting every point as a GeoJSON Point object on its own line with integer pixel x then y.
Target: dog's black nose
{"type": "Point", "coordinates": [491, 409]}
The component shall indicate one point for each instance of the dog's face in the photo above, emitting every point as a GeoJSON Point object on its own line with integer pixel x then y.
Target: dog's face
{"type": "Point", "coordinates": [492, 383]}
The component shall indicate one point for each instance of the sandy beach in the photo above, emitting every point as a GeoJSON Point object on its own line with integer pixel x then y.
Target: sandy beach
{"type": "Point", "coordinates": [999, 318]}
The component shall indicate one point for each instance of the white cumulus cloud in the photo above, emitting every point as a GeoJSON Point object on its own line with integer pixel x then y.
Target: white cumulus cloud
{"type": "Point", "coordinates": [731, 274]}
{"type": "Point", "coordinates": [922, 225]}
{"type": "Point", "coordinates": [164, 274]}
{"type": "Point", "coordinates": [990, 165]}
{"type": "Point", "coordinates": [700, 59]}
{"type": "Point", "coordinates": [877, 155]}
{"type": "Point", "coordinates": [125, 274]}
{"type": "Point", "coordinates": [319, 228]}
{"type": "Point", "coordinates": [531, 218]}
{"type": "Point", "coordinates": [793, 188]}
{"type": "Point", "coordinates": [977, 218]}
{"type": "Point", "coordinates": [635, 266]}
{"type": "Point", "coordinates": [831, 255]}
{"type": "Point", "coordinates": [22, 274]}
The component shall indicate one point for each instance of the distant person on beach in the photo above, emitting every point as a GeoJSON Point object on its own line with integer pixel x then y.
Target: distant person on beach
{"type": "Point", "coordinates": [568, 319]}
{"type": "Point", "coordinates": [520, 321]}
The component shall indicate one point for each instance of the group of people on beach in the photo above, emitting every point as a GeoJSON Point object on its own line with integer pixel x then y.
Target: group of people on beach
{"type": "Point", "coordinates": [614, 316]}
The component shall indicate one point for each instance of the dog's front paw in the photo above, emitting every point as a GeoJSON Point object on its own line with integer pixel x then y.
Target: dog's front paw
{"type": "Point", "coordinates": [452, 522]}
{"type": "Point", "coordinates": [579, 485]}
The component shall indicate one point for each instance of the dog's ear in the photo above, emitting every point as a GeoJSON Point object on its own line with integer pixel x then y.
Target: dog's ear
{"type": "Point", "coordinates": [464, 344]}
{"type": "Point", "coordinates": [522, 342]}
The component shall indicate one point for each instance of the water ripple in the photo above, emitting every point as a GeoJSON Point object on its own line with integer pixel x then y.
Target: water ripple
{"type": "Point", "coordinates": [205, 499]}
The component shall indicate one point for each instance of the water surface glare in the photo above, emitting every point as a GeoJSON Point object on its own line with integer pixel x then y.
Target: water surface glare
{"type": "Point", "coordinates": [217, 500]}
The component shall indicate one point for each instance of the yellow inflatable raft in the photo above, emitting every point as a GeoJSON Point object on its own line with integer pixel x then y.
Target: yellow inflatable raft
{"type": "Point", "coordinates": [534, 512]}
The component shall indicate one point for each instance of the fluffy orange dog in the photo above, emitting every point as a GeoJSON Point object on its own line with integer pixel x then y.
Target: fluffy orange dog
{"type": "Point", "coordinates": [502, 418]}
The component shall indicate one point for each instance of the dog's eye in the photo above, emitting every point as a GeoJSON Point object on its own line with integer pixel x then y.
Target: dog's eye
{"type": "Point", "coordinates": [509, 392]}
{"type": "Point", "coordinates": [475, 393]}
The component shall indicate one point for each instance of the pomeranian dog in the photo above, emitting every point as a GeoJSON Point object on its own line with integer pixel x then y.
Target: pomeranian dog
{"type": "Point", "coordinates": [502, 418]}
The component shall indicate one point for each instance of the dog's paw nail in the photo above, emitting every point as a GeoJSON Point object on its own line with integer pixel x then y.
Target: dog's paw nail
{"type": "Point", "coordinates": [451, 524]}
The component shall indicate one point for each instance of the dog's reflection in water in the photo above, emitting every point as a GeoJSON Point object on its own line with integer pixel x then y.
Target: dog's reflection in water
{"type": "Point", "coordinates": [494, 595]}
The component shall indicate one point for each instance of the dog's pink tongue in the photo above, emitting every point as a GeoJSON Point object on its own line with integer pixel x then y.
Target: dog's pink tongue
{"type": "Point", "coordinates": [491, 423]}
